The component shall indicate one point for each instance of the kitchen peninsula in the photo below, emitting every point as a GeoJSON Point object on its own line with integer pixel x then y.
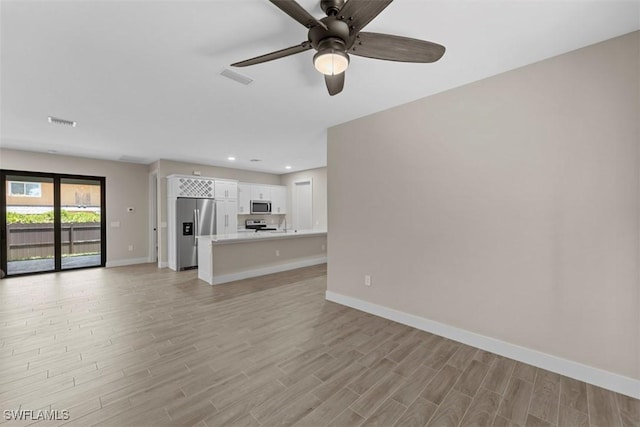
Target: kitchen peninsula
{"type": "Point", "coordinates": [227, 257]}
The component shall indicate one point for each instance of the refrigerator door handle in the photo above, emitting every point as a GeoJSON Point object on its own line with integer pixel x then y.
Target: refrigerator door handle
{"type": "Point", "coordinates": [196, 215]}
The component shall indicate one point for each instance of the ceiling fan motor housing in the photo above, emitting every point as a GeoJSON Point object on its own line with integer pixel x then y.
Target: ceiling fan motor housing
{"type": "Point", "coordinates": [336, 29]}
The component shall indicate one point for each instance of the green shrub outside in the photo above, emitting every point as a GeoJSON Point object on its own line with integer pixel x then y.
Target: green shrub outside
{"type": "Point", "coordinates": [47, 217]}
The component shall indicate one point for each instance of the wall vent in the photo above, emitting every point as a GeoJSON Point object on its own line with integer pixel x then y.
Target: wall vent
{"type": "Point", "coordinates": [236, 77]}
{"type": "Point", "coordinates": [58, 121]}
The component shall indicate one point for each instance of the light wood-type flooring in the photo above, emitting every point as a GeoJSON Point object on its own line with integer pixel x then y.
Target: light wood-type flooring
{"type": "Point", "coordinates": [140, 346]}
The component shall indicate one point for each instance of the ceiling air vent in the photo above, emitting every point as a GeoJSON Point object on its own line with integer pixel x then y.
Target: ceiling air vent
{"type": "Point", "coordinates": [236, 77]}
{"type": "Point", "coordinates": [57, 121]}
{"type": "Point", "coordinates": [255, 160]}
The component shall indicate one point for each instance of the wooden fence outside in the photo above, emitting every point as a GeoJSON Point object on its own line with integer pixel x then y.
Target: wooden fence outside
{"type": "Point", "coordinates": [32, 241]}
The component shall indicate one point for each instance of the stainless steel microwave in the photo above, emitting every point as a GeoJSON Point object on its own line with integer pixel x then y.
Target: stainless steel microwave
{"type": "Point", "coordinates": [260, 207]}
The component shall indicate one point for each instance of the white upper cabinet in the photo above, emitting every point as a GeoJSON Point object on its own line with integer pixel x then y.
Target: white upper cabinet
{"type": "Point", "coordinates": [226, 190]}
{"type": "Point", "coordinates": [260, 192]}
{"type": "Point", "coordinates": [279, 199]}
{"type": "Point", "coordinates": [244, 197]}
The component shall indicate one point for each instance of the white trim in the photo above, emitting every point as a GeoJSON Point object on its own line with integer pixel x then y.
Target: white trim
{"type": "Point", "coordinates": [129, 261]}
{"type": "Point", "coordinates": [601, 378]}
{"type": "Point", "coordinates": [225, 278]}
{"type": "Point", "coordinates": [163, 264]}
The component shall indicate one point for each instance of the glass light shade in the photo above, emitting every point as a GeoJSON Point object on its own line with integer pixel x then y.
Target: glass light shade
{"type": "Point", "coordinates": [331, 62]}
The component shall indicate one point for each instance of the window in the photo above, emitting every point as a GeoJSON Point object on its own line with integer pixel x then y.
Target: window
{"type": "Point", "coordinates": [28, 189]}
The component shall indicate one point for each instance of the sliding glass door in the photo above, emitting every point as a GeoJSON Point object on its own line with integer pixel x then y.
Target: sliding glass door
{"type": "Point", "coordinates": [51, 222]}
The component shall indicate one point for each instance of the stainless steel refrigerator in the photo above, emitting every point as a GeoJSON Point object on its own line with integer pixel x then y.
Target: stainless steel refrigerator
{"type": "Point", "coordinates": [195, 217]}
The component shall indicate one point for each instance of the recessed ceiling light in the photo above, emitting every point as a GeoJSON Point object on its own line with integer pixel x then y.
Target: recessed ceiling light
{"type": "Point", "coordinates": [231, 158]}
{"type": "Point", "coordinates": [287, 167]}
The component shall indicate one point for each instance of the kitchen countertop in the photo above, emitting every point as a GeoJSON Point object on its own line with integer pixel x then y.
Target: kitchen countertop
{"type": "Point", "coordinates": [252, 236]}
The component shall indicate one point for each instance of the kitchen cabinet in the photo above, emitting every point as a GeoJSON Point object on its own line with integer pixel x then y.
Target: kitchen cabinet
{"type": "Point", "coordinates": [226, 190]}
{"type": "Point", "coordinates": [244, 197]}
{"type": "Point", "coordinates": [279, 199]}
{"type": "Point", "coordinates": [226, 216]}
{"type": "Point", "coordinates": [260, 192]}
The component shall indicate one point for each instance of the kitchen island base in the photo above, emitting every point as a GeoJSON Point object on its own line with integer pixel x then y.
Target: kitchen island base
{"type": "Point", "coordinates": [223, 260]}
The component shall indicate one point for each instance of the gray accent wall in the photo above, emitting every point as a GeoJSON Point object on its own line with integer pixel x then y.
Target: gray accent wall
{"type": "Point", "coordinates": [508, 207]}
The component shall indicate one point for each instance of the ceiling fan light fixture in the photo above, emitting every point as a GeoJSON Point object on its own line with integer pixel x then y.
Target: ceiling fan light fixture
{"type": "Point", "coordinates": [331, 62]}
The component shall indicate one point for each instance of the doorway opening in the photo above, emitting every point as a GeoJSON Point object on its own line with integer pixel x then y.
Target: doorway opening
{"type": "Point", "coordinates": [303, 205]}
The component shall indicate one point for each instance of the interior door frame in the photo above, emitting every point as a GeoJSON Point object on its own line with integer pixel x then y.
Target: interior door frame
{"type": "Point", "coordinates": [57, 223]}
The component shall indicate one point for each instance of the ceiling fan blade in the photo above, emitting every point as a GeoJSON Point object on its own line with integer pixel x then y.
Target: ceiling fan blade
{"type": "Point", "coordinates": [358, 13]}
{"type": "Point", "coordinates": [274, 55]}
{"type": "Point", "coordinates": [297, 12]}
{"type": "Point", "coordinates": [335, 83]}
{"type": "Point", "coordinates": [396, 48]}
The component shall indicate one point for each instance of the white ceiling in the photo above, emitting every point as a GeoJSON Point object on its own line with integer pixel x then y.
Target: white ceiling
{"type": "Point", "coordinates": [141, 78]}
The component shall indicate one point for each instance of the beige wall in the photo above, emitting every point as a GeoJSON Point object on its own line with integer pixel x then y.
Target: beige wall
{"type": "Point", "coordinates": [508, 207]}
{"type": "Point", "coordinates": [126, 186]}
{"type": "Point", "coordinates": [163, 168]}
{"type": "Point", "coordinates": [319, 181]}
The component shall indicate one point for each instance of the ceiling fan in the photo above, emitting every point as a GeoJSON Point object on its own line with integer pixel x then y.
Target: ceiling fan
{"type": "Point", "coordinates": [340, 34]}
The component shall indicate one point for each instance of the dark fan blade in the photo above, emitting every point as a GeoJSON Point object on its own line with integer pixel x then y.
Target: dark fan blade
{"type": "Point", "coordinates": [334, 83]}
{"type": "Point", "coordinates": [274, 55]}
{"type": "Point", "coordinates": [396, 48]}
{"type": "Point", "coordinates": [297, 12]}
{"type": "Point", "coordinates": [358, 13]}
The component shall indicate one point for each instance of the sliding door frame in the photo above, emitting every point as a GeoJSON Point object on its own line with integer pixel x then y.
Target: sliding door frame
{"type": "Point", "coordinates": [57, 221]}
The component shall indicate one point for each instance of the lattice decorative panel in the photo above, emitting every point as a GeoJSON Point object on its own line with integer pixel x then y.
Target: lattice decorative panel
{"type": "Point", "coordinates": [193, 187]}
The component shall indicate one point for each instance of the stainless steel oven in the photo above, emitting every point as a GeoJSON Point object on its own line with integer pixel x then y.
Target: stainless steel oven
{"type": "Point", "coordinates": [260, 207]}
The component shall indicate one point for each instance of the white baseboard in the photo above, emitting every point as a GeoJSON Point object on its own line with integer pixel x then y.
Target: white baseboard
{"type": "Point", "coordinates": [225, 278]}
{"type": "Point", "coordinates": [163, 264]}
{"type": "Point", "coordinates": [601, 378]}
{"type": "Point", "coordinates": [130, 261]}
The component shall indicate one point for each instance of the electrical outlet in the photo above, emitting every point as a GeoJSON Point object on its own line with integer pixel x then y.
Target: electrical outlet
{"type": "Point", "coordinates": [277, 252]}
{"type": "Point", "coordinates": [323, 247]}
{"type": "Point", "coordinates": [130, 248]}
{"type": "Point", "coordinates": [367, 280]}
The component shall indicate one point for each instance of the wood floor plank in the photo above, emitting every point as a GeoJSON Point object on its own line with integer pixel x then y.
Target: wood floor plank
{"type": "Point", "coordinates": [515, 403]}
{"type": "Point", "coordinates": [470, 380]}
{"type": "Point", "coordinates": [525, 372]}
{"type": "Point", "coordinates": [629, 410]}
{"type": "Point", "coordinates": [441, 384]}
{"type": "Point", "coordinates": [385, 415]}
{"type": "Point", "coordinates": [482, 410]}
{"type": "Point", "coordinates": [330, 408]}
{"type": "Point", "coordinates": [603, 409]}
{"type": "Point", "coordinates": [346, 418]}
{"type": "Point", "coordinates": [498, 376]}
{"type": "Point", "coordinates": [414, 385]}
{"type": "Point", "coordinates": [533, 421]}
{"type": "Point", "coordinates": [546, 396]}
{"type": "Point", "coordinates": [418, 414]}
{"type": "Point", "coordinates": [367, 380]}
{"type": "Point", "coordinates": [451, 410]}
{"type": "Point", "coordinates": [462, 357]}
{"type": "Point", "coordinates": [377, 394]}
{"type": "Point", "coordinates": [573, 393]}
{"type": "Point", "coordinates": [571, 417]}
